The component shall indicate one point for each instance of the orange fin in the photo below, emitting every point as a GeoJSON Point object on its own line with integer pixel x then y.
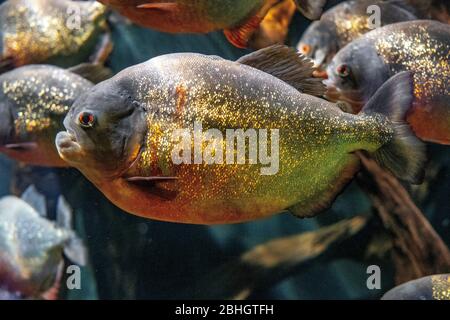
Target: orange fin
{"type": "Point", "coordinates": [241, 35]}
{"type": "Point", "coordinates": [164, 6]}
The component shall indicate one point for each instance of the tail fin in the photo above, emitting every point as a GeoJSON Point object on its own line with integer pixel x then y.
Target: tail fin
{"type": "Point", "coordinates": [404, 156]}
{"type": "Point", "coordinates": [74, 250]}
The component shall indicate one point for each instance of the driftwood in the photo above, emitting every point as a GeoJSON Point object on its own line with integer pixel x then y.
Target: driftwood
{"type": "Point", "coordinates": [418, 250]}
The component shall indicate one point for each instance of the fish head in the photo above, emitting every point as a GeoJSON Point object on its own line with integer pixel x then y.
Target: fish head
{"type": "Point", "coordinates": [355, 74]}
{"type": "Point", "coordinates": [106, 129]}
{"type": "Point", "coordinates": [319, 42]}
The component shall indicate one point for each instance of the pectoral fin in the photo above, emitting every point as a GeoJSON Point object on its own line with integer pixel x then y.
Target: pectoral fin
{"type": "Point", "coordinates": [164, 6]}
{"type": "Point", "coordinates": [288, 65]}
{"type": "Point", "coordinates": [23, 146]}
{"type": "Point", "coordinates": [150, 184]}
{"type": "Point", "coordinates": [149, 179]}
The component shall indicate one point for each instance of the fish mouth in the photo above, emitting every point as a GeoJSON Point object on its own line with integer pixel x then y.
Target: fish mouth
{"type": "Point", "coordinates": [68, 147]}
{"type": "Point", "coordinates": [334, 94]}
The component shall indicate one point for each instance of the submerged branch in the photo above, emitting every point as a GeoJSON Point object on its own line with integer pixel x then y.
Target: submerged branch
{"type": "Point", "coordinates": [418, 250]}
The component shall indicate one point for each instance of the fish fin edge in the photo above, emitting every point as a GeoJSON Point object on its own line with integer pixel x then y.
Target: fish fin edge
{"type": "Point", "coordinates": [162, 6]}
{"type": "Point", "coordinates": [405, 154]}
{"type": "Point", "coordinates": [288, 65]}
{"type": "Point", "coordinates": [327, 198]}
{"type": "Point", "coordinates": [94, 72]}
{"type": "Point", "coordinates": [36, 200]}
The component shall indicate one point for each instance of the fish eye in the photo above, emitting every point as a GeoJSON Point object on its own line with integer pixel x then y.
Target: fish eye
{"type": "Point", "coordinates": [305, 48]}
{"type": "Point", "coordinates": [86, 119]}
{"type": "Point", "coordinates": [343, 71]}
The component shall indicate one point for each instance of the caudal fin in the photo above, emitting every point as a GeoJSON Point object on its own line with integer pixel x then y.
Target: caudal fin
{"type": "Point", "coordinates": [404, 155]}
{"type": "Point", "coordinates": [74, 250]}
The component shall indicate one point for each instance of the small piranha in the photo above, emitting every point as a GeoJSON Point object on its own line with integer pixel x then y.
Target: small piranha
{"type": "Point", "coordinates": [154, 138]}
{"type": "Point", "coordinates": [34, 100]}
{"type": "Point", "coordinates": [238, 18]}
{"type": "Point", "coordinates": [422, 47]}
{"type": "Point", "coordinates": [348, 21]}
{"type": "Point", "coordinates": [58, 32]}
{"type": "Point", "coordinates": [436, 287]}
{"type": "Point", "coordinates": [32, 247]}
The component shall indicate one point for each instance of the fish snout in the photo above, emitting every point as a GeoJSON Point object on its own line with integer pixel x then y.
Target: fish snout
{"type": "Point", "coordinates": [68, 147]}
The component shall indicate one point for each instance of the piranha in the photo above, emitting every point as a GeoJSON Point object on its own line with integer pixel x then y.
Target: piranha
{"type": "Point", "coordinates": [34, 100]}
{"type": "Point", "coordinates": [32, 247]}
{"type": "Point", "coordinates": [348, 21]}
{"type": "Point", "coordinates": [58, 32]}
{"type": "Point", "coordinates": [422, 47]}
{"type": "Point", "coordinates": [239, 18]}
{"type": "Point", "coordinates": [132, 135]}
{"type": "Point", "coordinates": [436, 287]}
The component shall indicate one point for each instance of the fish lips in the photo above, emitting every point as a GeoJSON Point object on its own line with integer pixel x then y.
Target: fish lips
{"type": "Point", "coordinates": [68, 147]}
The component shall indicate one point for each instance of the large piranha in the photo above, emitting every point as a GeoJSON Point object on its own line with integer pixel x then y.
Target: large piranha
{"type": "Point", "coordinates": [238, 18]}
{"type": "Point", "coordinates": [152, 138]}
{"type": "Point", "coordinates": [58, 32]}
{"type": "Point", "coordinates": [423, 47]}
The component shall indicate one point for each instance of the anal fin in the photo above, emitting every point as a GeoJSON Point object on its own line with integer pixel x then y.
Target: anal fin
{"type": "Point", "coordinates": [326, 199]}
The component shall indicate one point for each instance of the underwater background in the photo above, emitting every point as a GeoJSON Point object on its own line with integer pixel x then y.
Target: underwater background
{"type": "Point", "coordinates": [136, 258]}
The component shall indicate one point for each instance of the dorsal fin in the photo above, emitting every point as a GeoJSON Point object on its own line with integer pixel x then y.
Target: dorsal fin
{"type": "Point", "coordinates": [288, 65]}
{"type": "Point", "coordinates": [93, 72]}
{"type": "Point", "coordinates": [36, 200]}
